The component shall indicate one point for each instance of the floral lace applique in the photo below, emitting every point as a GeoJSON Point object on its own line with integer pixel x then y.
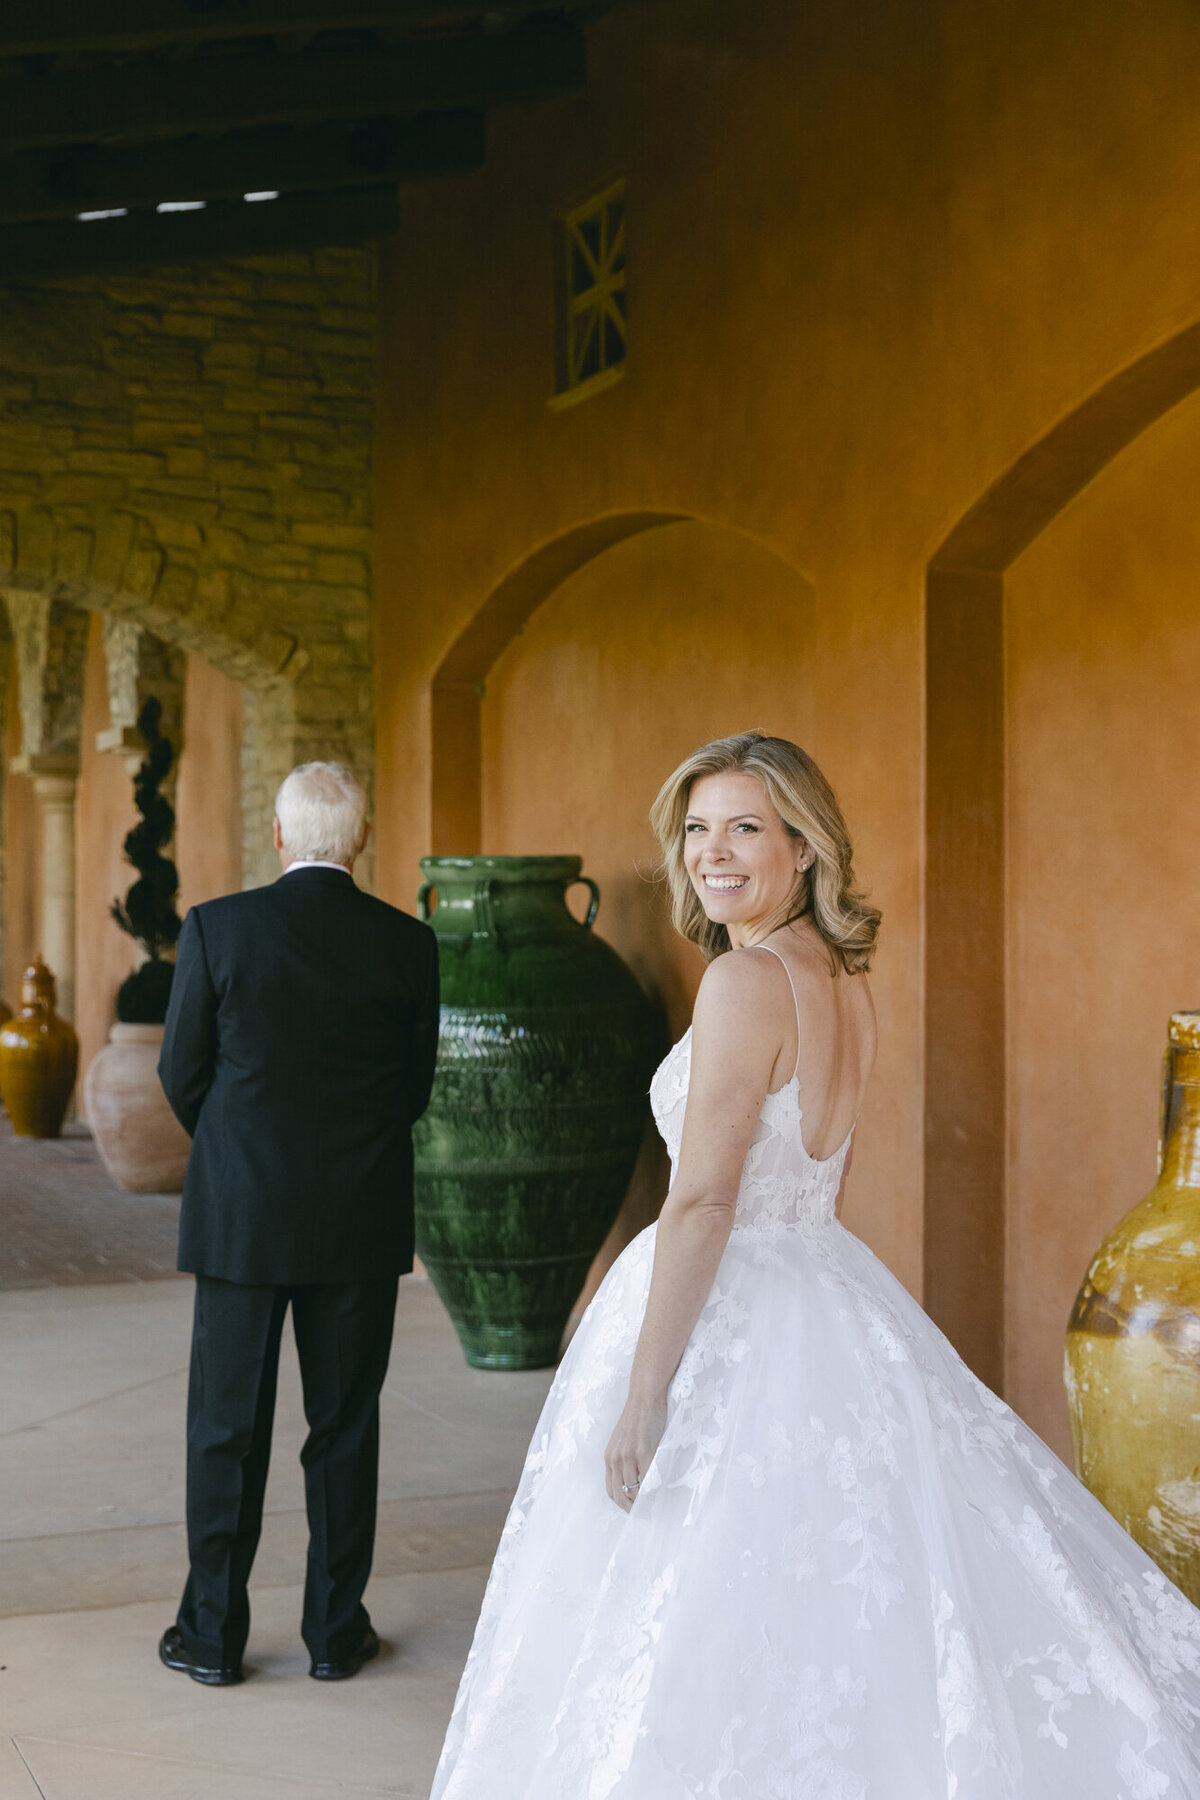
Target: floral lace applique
{"type": "Point", "coordinates": [976, 1422]}
{"type": "Point", "coordinates": [1089, 1657]}
{"type": "Point", "coordinates": [969, 1734]}
{"type": "Point", "coordinates": [1166, 1629]}
{"type": "Point", "coordinates": [888, 1336]}
{"type": "Point", "coordinates": [783, 1190]}
{"type": "Point", "coordinates": [668, 1093]}
{"type": "Point", "coordinates": [792, 1746]}
{"type": "Point", "coordinates": [864, 1469]}
{"type": "Point", "coordinates": [599, 1720]}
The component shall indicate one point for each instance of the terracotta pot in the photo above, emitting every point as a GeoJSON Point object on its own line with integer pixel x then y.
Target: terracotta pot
{"type": "Point", "coordinates": [141, 1142]}
{"type": "Point", "coordinates": [39, 1054]}
{"type": "Point", "coordinates": [1133, 1344]}
{"type": "Point", "coordinates": [544, 1057]}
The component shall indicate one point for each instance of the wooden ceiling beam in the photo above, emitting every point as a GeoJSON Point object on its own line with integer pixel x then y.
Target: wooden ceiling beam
{"type": "Point", "coordinates": [49, 184]}
{"type": "Point", "coordinates": [41, 27]}
{"type": "Point", "coordinates": [228, 229]}
{"type": "Point", "coordinates": [208, 94]}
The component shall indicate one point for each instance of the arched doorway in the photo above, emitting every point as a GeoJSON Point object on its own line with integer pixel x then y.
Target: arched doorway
{"type": "Point", "coordinates": [971, 910]}
{"type": "Point", "coordinates": [459, 684]}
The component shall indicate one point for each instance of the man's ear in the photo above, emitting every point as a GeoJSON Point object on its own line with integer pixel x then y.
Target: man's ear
{"type": "Point", "coordinates": [277, 834]}
{"type": "Point", "coordinates": [362, 842]}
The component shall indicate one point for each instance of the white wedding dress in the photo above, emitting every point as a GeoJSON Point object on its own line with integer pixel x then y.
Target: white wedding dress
{"type": "Point", "coordinates": [851, 1573]}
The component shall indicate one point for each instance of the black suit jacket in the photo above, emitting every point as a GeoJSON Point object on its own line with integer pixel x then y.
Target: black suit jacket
{"type": "Point", "coordinates": [298, 1051]}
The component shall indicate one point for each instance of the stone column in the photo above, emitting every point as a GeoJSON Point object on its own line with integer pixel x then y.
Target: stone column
{"type": "Point", "coordinates": [56, 794]}
{"type": "Point", "coordinates": [54, 780]}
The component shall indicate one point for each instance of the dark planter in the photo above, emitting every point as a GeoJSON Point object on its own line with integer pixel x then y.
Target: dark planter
{"type": "Point", "coordinates": [538, 1108]}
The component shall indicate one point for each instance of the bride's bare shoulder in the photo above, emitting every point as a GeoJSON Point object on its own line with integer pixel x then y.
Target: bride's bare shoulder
{"type": "Point", "coordinates": [735, 980]}
{"type": "Point", "coordinates": [738, 1023]}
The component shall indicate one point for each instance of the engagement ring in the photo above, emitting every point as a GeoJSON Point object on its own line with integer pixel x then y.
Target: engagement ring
{"type": "Point", "coordinates": [629, 1487]}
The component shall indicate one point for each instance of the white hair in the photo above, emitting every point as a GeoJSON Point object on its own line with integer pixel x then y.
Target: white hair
{"type": "Point", "coordinates": [322, 812]}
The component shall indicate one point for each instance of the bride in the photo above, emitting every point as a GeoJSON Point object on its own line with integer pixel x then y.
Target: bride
{"type": "Point", "coordinates": [773, 1541]}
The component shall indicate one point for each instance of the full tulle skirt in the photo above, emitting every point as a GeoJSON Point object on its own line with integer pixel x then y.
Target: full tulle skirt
{"type": "Point", "coordinates": [851, 1573]}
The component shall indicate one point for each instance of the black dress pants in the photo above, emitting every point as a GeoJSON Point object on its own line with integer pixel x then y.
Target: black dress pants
{"type": "Point", "coordinates": [343, 1339]}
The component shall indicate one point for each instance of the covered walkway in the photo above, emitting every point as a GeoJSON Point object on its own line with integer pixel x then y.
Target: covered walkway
{"type": "Point", "coordinates": [93, 1370]}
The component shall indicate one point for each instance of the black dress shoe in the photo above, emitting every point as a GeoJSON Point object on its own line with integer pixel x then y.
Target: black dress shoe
{"type": "Point", "coordinates": [172, 1652]}
{"type": "Point", "coordinates": [349, 1665]}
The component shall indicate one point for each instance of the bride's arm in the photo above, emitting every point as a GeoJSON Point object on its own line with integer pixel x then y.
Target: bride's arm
{"type": "Point", "coordinates": [738, 1028]}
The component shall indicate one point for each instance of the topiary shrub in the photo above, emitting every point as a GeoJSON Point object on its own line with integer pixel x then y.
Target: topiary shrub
{"type": "Point", "coordinates": [148, 911]}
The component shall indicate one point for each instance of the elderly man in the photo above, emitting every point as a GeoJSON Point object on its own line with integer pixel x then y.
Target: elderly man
{"type": "Point", "coordinates": [299, 1050]}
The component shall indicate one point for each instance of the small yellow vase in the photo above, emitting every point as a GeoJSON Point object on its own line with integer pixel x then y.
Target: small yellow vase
{"type": "Point", "coordinates": [1133, 1344]}
{"type": "Point", "coordinates": [39, 1054]}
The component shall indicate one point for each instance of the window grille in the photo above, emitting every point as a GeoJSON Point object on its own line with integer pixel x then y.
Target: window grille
{"type": "Point", "coordinates": [591, 297]}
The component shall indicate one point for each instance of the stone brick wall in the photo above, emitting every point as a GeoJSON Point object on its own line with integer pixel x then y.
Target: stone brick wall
{"type": "Point", "coordinates": [190, 449]}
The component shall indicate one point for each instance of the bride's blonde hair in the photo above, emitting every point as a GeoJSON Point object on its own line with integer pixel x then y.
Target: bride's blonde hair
{"type": "Point", "coordinates": [805, 803]}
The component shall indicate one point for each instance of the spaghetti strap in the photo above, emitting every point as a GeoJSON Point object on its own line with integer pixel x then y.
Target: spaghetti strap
{"type": "Point", "coordinates": [795, 1001]}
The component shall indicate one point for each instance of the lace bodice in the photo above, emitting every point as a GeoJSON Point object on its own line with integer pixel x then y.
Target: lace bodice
{"type": "Point", "coordinates": [783, 1188]}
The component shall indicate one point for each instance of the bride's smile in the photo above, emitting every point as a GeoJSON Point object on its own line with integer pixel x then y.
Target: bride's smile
{"type": "Point", "coordinates": [740, 857]}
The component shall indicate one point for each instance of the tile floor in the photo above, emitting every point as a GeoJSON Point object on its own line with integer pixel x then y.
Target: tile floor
{"type": "Point", "coordinates": [63, 1221]}
{"type": "Point", "coordinates": [92, 1383]}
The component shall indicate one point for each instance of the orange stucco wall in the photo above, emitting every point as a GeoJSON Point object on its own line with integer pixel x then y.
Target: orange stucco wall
{"type": "Point", "coordinates": [605, 691]}
{"type": "Point", "coordinates": [1103, 654]}
{"type": "Point", "coordinates": [921, 236]}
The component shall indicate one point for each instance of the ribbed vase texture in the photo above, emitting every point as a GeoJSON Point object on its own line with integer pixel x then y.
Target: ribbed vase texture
{"type": "Point", "coordinates": [1133, 1345]}
{"type": "Point", "coordinates": [539, 1105]}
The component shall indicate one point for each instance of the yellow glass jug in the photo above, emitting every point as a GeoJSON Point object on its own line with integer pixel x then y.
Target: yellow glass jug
{"type": "Point", "coordinates": [1133, 1343]}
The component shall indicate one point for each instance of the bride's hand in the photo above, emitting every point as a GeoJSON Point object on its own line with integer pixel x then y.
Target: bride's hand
{"type": "Point", "coordinates": [631, 1449]}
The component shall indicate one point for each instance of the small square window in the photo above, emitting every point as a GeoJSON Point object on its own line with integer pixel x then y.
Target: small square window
{"type": "Point", "coordinates": [590, 296]}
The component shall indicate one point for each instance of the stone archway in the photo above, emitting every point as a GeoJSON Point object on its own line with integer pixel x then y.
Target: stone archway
{"type": "Point", "coordinates": [189, 450]}
{"type": "Point", "coordinates": [288, 713]}
{"type": "Point", "coordinates": [965, 1026]}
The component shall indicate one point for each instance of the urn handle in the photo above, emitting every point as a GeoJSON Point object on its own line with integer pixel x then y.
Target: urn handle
{"type": "Point", "coordinates": [485, 917]}
{"type": "Point", "coordinates": [594, 906]}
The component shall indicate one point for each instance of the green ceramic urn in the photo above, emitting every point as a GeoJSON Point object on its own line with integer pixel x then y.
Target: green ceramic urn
{"type": "Point", "coordinates": [544, 1060]}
